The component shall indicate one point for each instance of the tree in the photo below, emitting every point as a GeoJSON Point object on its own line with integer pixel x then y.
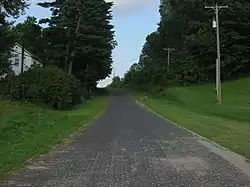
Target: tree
{"type": "Point", "coordinates": [186, 26]}
{"type": "Point", "coordinates": [81, 37]}
{"type": "Point", "coordinates": [29, 34]}
{"type": "Point", "coordinates": [12, 8]}
{"type": "Point", "coordinates": [116, 82]}
{"type": "Point", "coordinates": [8, 8]}
{"type": "Point", "coordinates": [6, 43]}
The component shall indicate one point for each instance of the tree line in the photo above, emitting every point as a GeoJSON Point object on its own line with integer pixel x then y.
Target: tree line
{"type": "Point", "coordinates": [78, 37]}
{"type": "Point", "coordinates": [186, 26]}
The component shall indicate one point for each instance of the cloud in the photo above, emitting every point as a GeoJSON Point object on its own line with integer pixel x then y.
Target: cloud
{"type": "Point", "coordinates": [120, 8]}
{"type": "Point", "coordinates": [129, 4]}
{"type": "Point", "coordinates": [119, 5]}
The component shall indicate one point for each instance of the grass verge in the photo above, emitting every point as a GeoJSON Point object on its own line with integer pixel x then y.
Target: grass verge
{"type": "Point", "coordinates": [194, 108]}
{"type": "Point", "coordinates": [27, 130]}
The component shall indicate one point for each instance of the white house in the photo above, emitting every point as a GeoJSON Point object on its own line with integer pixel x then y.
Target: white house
{"type": "Point", "coordinates": [16, 59]}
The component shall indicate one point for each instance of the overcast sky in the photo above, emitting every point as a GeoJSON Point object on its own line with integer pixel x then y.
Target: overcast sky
{"type": "Point", "coordinates": [133, 20]}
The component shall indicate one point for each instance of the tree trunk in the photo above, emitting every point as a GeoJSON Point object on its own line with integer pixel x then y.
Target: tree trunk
{"type": "Point", "coordinates": [66, 59]}
{"type": "Point", "coordinates": [85, 81]}
{"type": "Point", "coordinates": [72, 55]}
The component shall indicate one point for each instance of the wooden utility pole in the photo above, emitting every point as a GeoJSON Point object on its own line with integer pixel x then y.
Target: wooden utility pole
{"type": "Point", "coordinates": [218, 62]}
{"type": "Point", "coordinates": [217, 81]}
{"type": "Point", "coordinates": [22, 59]}
{"type": "Point", "coordinates": [22, 91]}
{"type": "Point", "coordinates": [169, 50]}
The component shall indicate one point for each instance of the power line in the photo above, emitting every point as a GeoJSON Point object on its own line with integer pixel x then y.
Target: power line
{"type": "Point", "coordinates": [124, 62]}
{"type": "Point", "coordinates": [114, 72]}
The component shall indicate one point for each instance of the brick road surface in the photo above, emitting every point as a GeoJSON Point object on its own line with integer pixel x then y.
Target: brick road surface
{"type": "Point", "coordinates": [130, 147]}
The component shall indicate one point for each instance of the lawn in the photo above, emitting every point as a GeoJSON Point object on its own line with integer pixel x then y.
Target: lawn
{"type": "Point", "coordinates": [27, 130]}
{"type": "Point", "coordinates": [194, 108]}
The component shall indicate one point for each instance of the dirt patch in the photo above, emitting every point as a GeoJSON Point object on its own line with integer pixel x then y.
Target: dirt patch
{"type": "Point", "coordinates": [189, 163]}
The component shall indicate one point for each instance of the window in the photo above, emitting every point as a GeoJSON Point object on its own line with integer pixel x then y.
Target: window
{"type": "Point", "coordinates": [16, 62]}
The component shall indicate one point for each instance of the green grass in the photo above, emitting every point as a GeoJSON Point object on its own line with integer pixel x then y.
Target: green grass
{"type": "Point", "coordinates": [27, 130]}
{"type": "Point", "coordinates": [194, 108]}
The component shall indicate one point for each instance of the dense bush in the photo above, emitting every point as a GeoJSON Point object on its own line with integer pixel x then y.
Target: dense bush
{"type": "Point", "coordinates": [47, 85]}
{"type": "Point", "coordinates": [3, 85]}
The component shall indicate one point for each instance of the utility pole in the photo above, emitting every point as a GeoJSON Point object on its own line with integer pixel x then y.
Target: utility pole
{"type": "Point", "coordinates": [22, 59]}
{"type": "Point", "coordinates": [169, 50]}
{"type": "Point", "coordinates": [218, 63]}
{"type": "Point", "coordinates": [22, 91]}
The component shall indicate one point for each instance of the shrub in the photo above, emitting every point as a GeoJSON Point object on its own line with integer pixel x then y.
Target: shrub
{"type": "Point", "coordinates": [157, 90]}
{"type": "Point", "coordinates": [47, 85]}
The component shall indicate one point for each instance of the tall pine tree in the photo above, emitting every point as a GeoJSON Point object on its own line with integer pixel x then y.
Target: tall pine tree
{"type": "Point", "coordinates": [84, 38]}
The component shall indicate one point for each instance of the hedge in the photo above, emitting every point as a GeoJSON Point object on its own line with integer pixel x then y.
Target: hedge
{"type": "Point", "coordinates": [47, 85]}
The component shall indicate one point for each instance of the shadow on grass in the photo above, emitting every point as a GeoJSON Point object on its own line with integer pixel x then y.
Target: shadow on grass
{"type": "Point", "coordinates": [99, 92]}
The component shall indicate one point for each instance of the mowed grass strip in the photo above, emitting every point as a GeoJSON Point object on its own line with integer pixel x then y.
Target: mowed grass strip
{"type": "Point", "coordinates": [195, 108]}
{"type": "Point", "coordinates": [27, 130]}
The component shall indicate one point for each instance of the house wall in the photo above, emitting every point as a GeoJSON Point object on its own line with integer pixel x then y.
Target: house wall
{"type": "Point", "coordinates": [34, 61]}
{"type": "Point", "coordinates": [16, 59]}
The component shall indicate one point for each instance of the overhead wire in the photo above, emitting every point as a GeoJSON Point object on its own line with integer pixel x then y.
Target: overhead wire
{"type": "Point", "coordinates": [127, 61]}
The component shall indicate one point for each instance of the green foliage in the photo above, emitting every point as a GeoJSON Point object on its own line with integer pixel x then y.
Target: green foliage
{"type": "Point", "coordinates": [48, 85]}
{"type": "Point", "coordinates": [80, 38]}
{"type": "Point", "coordinates": [195, 108]}
{"type": "Point", "coordinates": [8, 9]}
{"type": "Point", "coordinates": [27, 130]}
{"type": "Point", "coordinates": [85, 94]}
{"type": "Point", "coordinates": [116, 82]}
{"type": "Point", "coordinates": [29, 34]}
{"type": "Point", "coordinates": [187, 27]}
{"type": "Point", "coordinates": [12, 8]}
{"type": "Point", "coordinates": [7, 41]}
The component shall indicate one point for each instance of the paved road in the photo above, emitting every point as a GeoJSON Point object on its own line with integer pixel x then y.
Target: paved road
{"type": "Point", "coordinates": [130, 147]}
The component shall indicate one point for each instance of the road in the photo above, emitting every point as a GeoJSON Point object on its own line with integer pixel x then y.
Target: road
{"type": "Point", "coordinates": [128, 146]}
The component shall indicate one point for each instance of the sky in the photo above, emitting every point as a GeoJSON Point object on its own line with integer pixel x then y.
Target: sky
{"type": "Point", "coordinates": [133, 21]}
